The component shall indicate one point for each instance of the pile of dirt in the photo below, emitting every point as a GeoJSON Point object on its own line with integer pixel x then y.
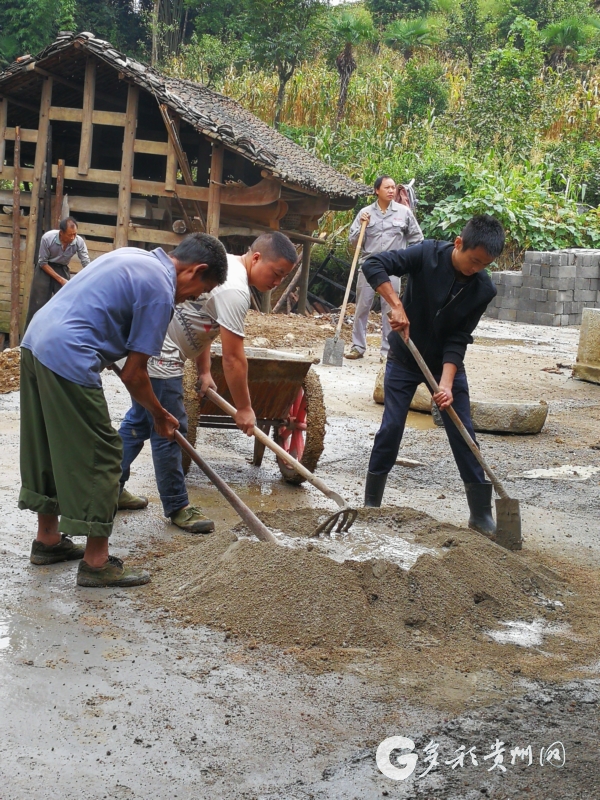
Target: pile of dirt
{"type": "Point", "coordinates": [290, 596]}
{"type": "Point", "coordinates": [9, 370]}
{"type": "Point", "coordinates": [292, 330]}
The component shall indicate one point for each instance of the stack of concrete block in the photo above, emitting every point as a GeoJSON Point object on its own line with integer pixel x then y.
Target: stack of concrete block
{"type": "Point", "coordinates": [552, 288]}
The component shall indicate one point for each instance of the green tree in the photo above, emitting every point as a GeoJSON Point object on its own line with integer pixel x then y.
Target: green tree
{"type": "Point", "coordinates": [409, 35]}
{"type": "Point", "coordinates": [350, 28]}
{"type": "Point", "coordinates": [279, 34]}
{"type": "Point", "coordinates": [505, 90]}
{"type": "Point", "coordinates": [421, 89]}
{"type": "Point", "coordinates": [386, 11]}
{"type": "Point", "coordinates": [467, 35]}
{"type": "Point", "coordinates": [565, 39]}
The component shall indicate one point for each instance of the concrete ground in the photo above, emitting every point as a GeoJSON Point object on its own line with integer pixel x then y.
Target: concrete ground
{"type": "Point", "coordinates": [100, 697]}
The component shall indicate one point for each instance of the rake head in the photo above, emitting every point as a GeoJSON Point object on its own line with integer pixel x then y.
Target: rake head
{"type": "Point", "coordinates": [344, 518]}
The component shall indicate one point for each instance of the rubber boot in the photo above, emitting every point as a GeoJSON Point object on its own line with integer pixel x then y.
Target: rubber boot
{"type": "Point", "coordinates": [374, 487]}
{"type": "Point", "coordinates": [479, 498]}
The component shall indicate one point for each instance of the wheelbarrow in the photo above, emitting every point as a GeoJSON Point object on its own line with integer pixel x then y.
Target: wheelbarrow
{"type": "Point", "coordinates": [287, 399]}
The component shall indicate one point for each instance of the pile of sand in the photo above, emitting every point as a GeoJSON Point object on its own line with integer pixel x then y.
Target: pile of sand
{"type": "Point", "coordinates": [9, 370]}
{"type": "Point", "coordinates": [299, 597]}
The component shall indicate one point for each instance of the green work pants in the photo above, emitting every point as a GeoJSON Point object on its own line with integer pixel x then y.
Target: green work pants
{"type": "Point", "coordinates": [70, 453]}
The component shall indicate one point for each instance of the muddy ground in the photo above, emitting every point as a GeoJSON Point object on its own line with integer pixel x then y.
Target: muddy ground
{"type": "Point", "coordinates": [185, 688]}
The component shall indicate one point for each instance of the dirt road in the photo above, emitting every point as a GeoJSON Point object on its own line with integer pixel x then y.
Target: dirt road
{"type": "Point", "coordinates": [109, 695]}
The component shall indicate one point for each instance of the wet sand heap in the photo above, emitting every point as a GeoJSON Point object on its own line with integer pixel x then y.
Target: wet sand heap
{"type": "Point", "coordinates": [9, 370]}
{"type": "Point", "coordinates": [299, 597]}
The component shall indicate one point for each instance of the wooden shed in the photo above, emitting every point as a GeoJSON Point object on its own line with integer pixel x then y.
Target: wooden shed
{"type": "Point", "coordinates": [140, 159]}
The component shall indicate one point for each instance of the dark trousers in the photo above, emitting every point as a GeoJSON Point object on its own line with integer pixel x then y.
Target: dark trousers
{"type": "Point", "coordinates": [400, 385]}
{"type": "Point", "coordinates": [138, 426]}
{"type": "Point", "coordinates": [44, 287]}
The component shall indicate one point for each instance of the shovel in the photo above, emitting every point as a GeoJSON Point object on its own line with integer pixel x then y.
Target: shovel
{"type": "Point", "coordinates": [333, 353]}
{"type": "Point", "coordinates": [508, 515]}
{"type": "Point", "coordinates": [344, 517]}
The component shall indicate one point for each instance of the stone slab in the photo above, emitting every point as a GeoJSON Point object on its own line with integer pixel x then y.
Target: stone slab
{"type": "Point", "coordinates": [587, 367]}
{"type": "Point", "coordinates": [517, 418]}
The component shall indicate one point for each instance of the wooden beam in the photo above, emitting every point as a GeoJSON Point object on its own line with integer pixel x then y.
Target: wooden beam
{"type": "Point", "coordinates": [124, 205]}
{"type": "Point", "coordinates": [26, 174]}
{"type": "Point", "coordinates": [15, 283]}
{"type": "Point", "coordinates": [140, 209]}
{"type": "Point", "coordinates": [303, 288]}
{"type": "Point", "coordinates": [71, 84]}
{"type": "Point", "coordinates": [65, 114]}
{"type": "Point", "coordinates": [3, 129]}
{"type": "Point", "coordinates": [87, 129]}
{"type": "Point", "coordinates": [27, 134]}
{"type": "Point", "coordinates": [148, 146]}
{"type": "Point", "coordinates": [40, 157]}
{"type": "Point", "coordinates": [261, 194]}
{"type": "Point", "coordinates": [20, 103]}
{"type": "Point", "coordinates": [171, 177]}
{"type": "Point", "coordinates": [93, 176]}
{"type": "Point", "coordinates": [60, 186]}
{"type": "Point", "coordinates": [214, 191]}
{"type": "Point", "coordinates": [95, 229]}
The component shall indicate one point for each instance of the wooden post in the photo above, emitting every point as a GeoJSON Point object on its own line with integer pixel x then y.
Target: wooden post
{"type": "Point", "coordinates": [304, 278]}
{"type": "Point", "coordinates": [3, 116]}
{"type": "Point", "coordinates": [265, 302]}
{"type": "Point", "coordinates": [60, 190]}
{"type": "Point", "coordinates": [124, 203]}
{"type": "Point", "coordinates": [171, 175]}
{"type": "Point", "coordinates": [213, 216]}
{"type": "Point", "coordinates": [15, 278]}
{"type": "Point", "coordinates": [38, 168]}
{"type": "Point", "coordinates": [87, 129]}
{"type": "Point", "coordinates": [48, 190]}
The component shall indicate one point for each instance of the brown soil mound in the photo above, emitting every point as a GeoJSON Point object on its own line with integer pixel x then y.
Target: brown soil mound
{"type": "Point", "coordinates": [307, 331]}
{"type": "Point", "coordinates": [287, 596]}
{"type": "Point", "coordinates": [9, 370]}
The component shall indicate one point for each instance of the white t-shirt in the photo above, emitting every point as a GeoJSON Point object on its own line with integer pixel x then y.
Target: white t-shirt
{"type": "Point", "coordinates": [196, 323]}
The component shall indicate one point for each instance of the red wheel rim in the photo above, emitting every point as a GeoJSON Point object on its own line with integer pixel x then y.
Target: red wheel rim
{"type": "Point", "coordinates": [292, 434]}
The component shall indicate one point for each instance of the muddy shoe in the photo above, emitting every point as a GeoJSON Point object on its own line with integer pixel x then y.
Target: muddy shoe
{"type": "Point", "coordinates": [192, 520]}
{"type": "Point", "coordinates": [130, 502]}
{"type": "Point", "coordinates": [65, 550]}
{"type": "Point", "coordinates": [354, 354]}
{"type": "Point", "coordinates": [113, 573]}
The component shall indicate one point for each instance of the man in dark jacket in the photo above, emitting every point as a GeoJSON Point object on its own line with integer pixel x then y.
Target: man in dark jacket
{"type": "Point", "coordinates": [447, 292]}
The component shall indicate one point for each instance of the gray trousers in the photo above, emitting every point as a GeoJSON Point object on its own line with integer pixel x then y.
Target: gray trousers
{"type": "Point", "coordinates": [364, 300]}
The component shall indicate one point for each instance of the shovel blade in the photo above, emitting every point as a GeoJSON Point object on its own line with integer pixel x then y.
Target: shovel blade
{"type": "Point", "coordinates": [508, 524]}
{"type": "Point", "coordinates": [333, 353]}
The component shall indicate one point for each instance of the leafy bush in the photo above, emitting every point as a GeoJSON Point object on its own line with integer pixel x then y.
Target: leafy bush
{"type": "Point", "coordinates": [520, 196]}
{"type": "Point", "coordinates": [420, 90]}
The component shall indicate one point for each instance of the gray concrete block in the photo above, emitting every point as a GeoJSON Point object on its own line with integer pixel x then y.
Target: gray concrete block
{"type": "Point", "coordinates": [514, 279]}
{"type": "Point", "coordinates": [526, 268]}
{"type": "Point", "coordinates": [564, 319]}
{"type": "Point", "coordinates": [564, 271]}
{"type": "Point", "coordinates": [508, 314]}
{"type": "Point", "coordinates": [544, 318]}
{"type": "Point", "coordinates": [585, 295]}
{"type": "Point", "coordinates": [510, 303]}
{"type": "Point", "coordinates": [531, 257]}
{"type": "Point", "coordinates": [588, 271]}
{"type": "Point", "coordinates": [491, 312]}
{"type": "Point", "coordinates": [564, 297]}
{"type": "Point", "coordinates": [541, 305]}
{"type": "Point", "coordinates": [533, 281]}
{"type": "Point", "coordinates": [561, 284]}
{"type": "Point", "coordinates": [527, 317]}
{"type": "Point", "coordinates": [574, 319]}
{"type": "Point", "coordinates": [594, 284]}
{"type": "Point", "coordinates": [538, 295]}
{"type": "Point", "coordinates": [525, 304]}
{"type": "Point", "coordinates": [545, 270]}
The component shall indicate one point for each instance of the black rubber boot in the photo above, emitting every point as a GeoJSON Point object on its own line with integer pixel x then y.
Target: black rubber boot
{"type": "Point", "coordinates": [479, 498]}
{"type": "Point", "coordinates": [374, 487]}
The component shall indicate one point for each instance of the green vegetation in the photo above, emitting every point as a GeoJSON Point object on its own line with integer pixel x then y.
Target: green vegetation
{"type": "Point", "coordinates": [491, 105]}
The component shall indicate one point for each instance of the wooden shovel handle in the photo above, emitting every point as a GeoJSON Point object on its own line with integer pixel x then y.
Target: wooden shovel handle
{"type": "Point", "coordinates": [456, 420]}
{"type": "Point", "coordinates": [361, 236]}
{"type": "Point", "coordinates": [268, 442]}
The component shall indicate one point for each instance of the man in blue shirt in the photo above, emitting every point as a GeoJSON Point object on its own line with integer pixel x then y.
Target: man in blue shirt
{"type": "Point", "coordinates": [119, 306]}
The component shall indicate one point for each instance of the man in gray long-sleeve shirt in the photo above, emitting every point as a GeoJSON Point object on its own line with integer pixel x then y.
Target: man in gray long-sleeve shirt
{"type": "Point", "coordinates": [57, 248]}
{"type": "Point", "coordinates": [391, 226]}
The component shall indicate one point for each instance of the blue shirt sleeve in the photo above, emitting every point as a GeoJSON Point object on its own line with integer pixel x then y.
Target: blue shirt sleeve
{"type": "Point", "coordinates": [149, 328]}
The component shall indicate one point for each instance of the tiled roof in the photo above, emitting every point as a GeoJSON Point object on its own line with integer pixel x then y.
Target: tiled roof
{"type": "Point", "coordinates": [214, 115]}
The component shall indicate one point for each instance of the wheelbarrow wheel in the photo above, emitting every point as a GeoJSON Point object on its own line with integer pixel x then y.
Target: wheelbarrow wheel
{"type": "Point", "coordinates": [302, 433]}
{"type": "Point", "coordinates": [192, 406]}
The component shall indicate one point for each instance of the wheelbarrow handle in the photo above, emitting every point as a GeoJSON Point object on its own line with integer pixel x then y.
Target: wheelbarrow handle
{"type": "Point", "coordinates": [268, 442]}
{"type": "Point", "coordinates": [457, 421]}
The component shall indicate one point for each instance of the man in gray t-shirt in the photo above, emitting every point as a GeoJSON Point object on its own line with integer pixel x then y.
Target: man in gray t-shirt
{"type": "Point", "coordinates": [57, 248]}
{"type": "Point", "coordinates": [194, 327]}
